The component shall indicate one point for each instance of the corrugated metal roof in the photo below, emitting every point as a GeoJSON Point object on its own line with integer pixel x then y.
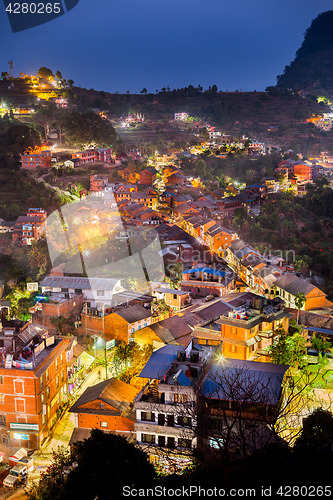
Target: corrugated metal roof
{"type": "Point", "coordinates": [207, 270]}
{"type": "Point", "coordinates": [79, 283]}
{"type": "Point", "coordinates": [160, 361]}
{"type": "Point", "coordinates": [256, 382]}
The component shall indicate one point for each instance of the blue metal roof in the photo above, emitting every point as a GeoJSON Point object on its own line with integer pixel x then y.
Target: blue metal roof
{"type": "Point", "coordinates": [266, 378]}
{"type": "Point", "coordinates": [160, 361]}
{"type": "Point", "coordinates": [319, 330]}
{"type": "Point", "coordinates": [208, 270]}
{"type": "Point", "coordinates": [183, 380]}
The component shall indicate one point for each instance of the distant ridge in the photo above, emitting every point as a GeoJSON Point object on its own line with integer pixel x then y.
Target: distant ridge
{"type": "Point", "coordinates": [312, 67]}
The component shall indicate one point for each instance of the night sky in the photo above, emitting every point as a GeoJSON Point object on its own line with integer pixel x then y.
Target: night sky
{"type": "Point", "coordinates": [120, 45]}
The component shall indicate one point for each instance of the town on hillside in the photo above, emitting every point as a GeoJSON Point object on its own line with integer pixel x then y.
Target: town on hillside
{"type": "Point", "coordinates": [162, 279]}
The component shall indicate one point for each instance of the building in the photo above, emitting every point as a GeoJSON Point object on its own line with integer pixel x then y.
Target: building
{"type": "Point", "coordinates": [37, 160]}
{"type": "Point", "coordinates": [106, 406]}
{"type": "Point", "coordinates": [207, 281]}
{"type": "Point", "coordinates": [289, 285]}
{"type": "Point", "coordinates": [148, 176]}
{"type": "Point", "coordinates": [175, 299]}
{"type": "Point", "coordinates": [251, 326]}
{"type": "Point", "coordinates": [237, 403]}
{"type": "Point", "coordinates": [83, 157]}
{"type": "Point", "coordinates": [303, 171]}
{"type": "Point", "coordinates": [181, 116]}
{"type": "Point", "coordinates": [165, 407]}
{"type": "Point", "coordinates": [33, 385]}
{"type": "Point", "coordinates": [97, 183]}
{"type": "Point", "coordinates": [97, 292]}
{"type": "Point", "coordinates": [121, 324]}
{"type": "Point", "coordinates": [30, 227]}
{"type": "Point", "coordinates": [55, 305]}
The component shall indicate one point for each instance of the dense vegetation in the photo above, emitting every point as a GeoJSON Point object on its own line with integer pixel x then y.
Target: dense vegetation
{"type": "Point", "coordinates": [312, 67]}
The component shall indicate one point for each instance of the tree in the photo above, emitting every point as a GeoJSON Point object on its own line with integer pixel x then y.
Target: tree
{"type": "Point", "coordinates": [107, 462]}
{"type": "Point", "coordinates": [288, 349]}
{"type": "Point", "coordinates": [299, 303]}
{"type": "Point", "coordinates": [143, 91]}
{"type": "Point", "coordinates": [317, 432]}
{"type": "Point", "coordinates": [279, 351]}
{"type": "Point", "coordinates": [51, 486]}
{"type": "Point", "coordinates": [44, 72]}
{"type": "Point", "coordinates": [58, 75]}
{"type": "Point", "coordinates": [4, 74]}
{"type": "Point", "coordinates": [88, 130]}
{"type": "Point", "coordinates": [17, 139]}
{"type": "Point", "coordinates": [214, 89]}
{"type": "Point", "coordinates": [70, 82]}
{"type": "Point", "coordinates": [240, 216]}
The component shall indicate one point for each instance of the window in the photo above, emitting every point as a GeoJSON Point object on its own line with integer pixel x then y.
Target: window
{"type": "Point", "coordinates": [171, 420]}
{"type": "Point", "coordinates": [57, 381]}
{"type": "Point", "coordinates": [180, 398]}
{"type": "Point", "coordinates": [184, 443]}
{"type": "Point", "coordinates": [103, 424]}
{"type": "Point", "coordinates": [161, 419]}
{"type": "Point", "coordinates": [100, 293]}
{"type": "Point", "coordinates": [161, 441]}
{"type": "Point", "coordinates": [42, 398]}
{"type": "Point", "coordinates": [47, 393]}
{"type": "Point", "coordinates": [148, 438]}
{"type": "Point", "coordinates": [1, 379]}
{"type": "Point", "coordinates": [184, 421]}
{"type": "Point", "coordinates": [175, 296]}
{"type": "Point", "coordinates": [57, 364]}
{"type": "Point", "coordinates": [64, 289]}
{"type": "Point", "coordinates": [101, 406]}
{"type": "Point", "coordinates": [18, 387]}
{"type": "Point", "coordinates": [41, 381]}
{"type": "Point", "coordinates": [148, 416]}
{"type": "Point", "coordinates": [62, 376]}
{"type": "Point", "coordinates": [233, 348]}
{"type": "Point", "coordinates": [20, 405]}
{"type": "Point", "coordinates": [47, 375]}
{"type": "Point", "coordinates": [78, 290]}
{"type": "Point", "coordinates": [3, 420]}
{"type": "Point", "coordinates": [171, 442]}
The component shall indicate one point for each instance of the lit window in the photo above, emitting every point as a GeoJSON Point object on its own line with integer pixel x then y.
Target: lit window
{"type": "Point", "coordinates": [103, 424]}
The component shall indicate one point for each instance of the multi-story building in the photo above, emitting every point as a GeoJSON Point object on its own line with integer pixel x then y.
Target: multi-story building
{"type": "Point", "coordinates": [165, 408]}
{"type": "Point", "coordinates": [56, 305]}
{"type": "Point", "coordinates": [251, 326]}
{"type": "Point", "coordinates": [33, 385]}
{"type": "Point", "coordinates": [97, 292]}
{"type": "Point", "coordinates": [37, 160]}
{"type": "Point", "coordinates": [30, 227]}
{"type": "Point", "coordinates": [207, 281]}
{"type": "Point", "coordinates": [83, 157]}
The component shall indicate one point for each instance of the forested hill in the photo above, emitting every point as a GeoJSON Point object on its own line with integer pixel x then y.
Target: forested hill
{"type": "Point", "coordinates": [312, 67]}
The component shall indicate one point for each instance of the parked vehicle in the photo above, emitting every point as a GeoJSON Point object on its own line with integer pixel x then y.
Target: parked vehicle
{"type": "Point", "coordinates": [17, 475]}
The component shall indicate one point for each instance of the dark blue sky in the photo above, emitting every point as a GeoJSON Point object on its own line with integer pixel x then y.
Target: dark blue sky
{"type": "Point", "coordinates": [119, 45]}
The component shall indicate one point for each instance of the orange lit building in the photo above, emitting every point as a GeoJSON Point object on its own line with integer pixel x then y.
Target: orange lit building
{"type": "Point", "coordinates": [36, 160]}
{"type": "Point", "coordinates": [33, 385]}
{"type": "Point", "coordinates": [106, 406]}
{"type": "Point", "coordinates": [251, 327]}
{"type": "Point", "coordinates": [303, 172]}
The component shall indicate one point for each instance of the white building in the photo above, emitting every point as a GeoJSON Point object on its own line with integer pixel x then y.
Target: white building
{"type": "Point", "coordinates": [97, 292]}
{"type": "Point", "coordinates": [165, 408]}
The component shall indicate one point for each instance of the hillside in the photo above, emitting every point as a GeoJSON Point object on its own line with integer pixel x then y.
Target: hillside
{"type": "Point", "coordinates": [312, 68]}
